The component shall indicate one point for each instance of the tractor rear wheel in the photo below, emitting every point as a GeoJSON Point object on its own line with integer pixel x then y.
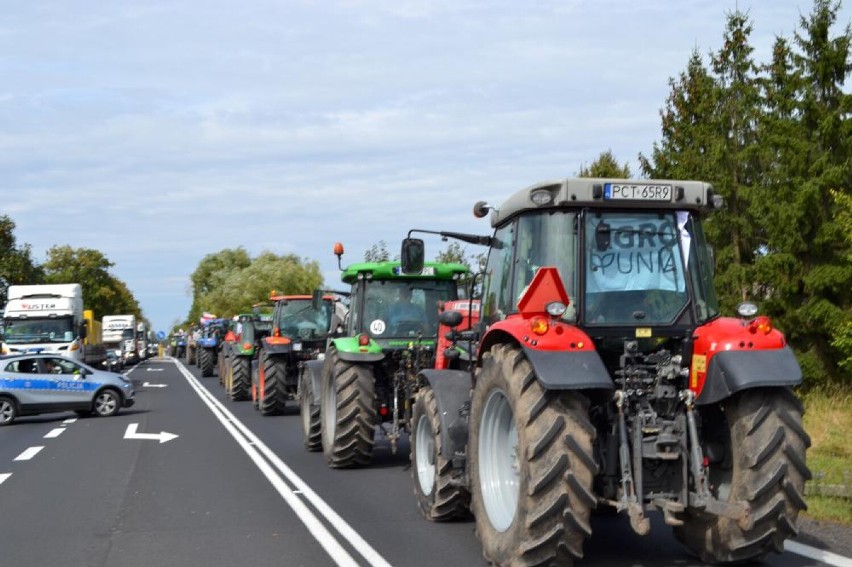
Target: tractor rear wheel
{"type": "Point", "coordinates": [439, 493]}
{"type": "Point", "coordinates": [310, 411]}
{"type": "Point", "coordinates": [532, 464]}
{"type": "Point", "coordinates": [205, 362]}
{"type": "Point", "coordinates": [273, 391]}
{"type": "Point", "coordinates": [348, 413]}
{"type": "Point", "coordinates": [239, 378]}
{"type": "Point", "coordinates": [761, 445]}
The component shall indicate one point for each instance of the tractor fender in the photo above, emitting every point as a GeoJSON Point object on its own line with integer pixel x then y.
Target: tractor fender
{"type": "Point", "coordinates": [313, 368]}
{"type": "Point", "coordinates": [567, 370]}
{"type": "Point", "coordinates": [452, 394]}
{"type": "Point", "coordinates": [277, 349]}
{"type": "Point", "coordinates": [731, 371]}
{"type": "Point", "coordinates": [360, 357]}
{"type": "Point", "coordinates": [564, 358]}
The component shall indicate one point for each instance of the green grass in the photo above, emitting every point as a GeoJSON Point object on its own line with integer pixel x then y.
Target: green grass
{"type": "Point", "coordinates": [828, 420]}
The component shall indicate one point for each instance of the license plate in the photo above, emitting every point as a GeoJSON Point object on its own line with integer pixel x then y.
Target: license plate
{"type": "Point", "coordinates": [636, 192]}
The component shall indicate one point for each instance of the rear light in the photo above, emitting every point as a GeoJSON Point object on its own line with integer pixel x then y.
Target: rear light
{"type": "Point", "coordinates": [246, 346]}
{"type": "Point", "coordinates": [363, 340]}
{"type": "Point", "coordinates": [762, 325]}
{"type": "Point", "coordinates": [539, 325]}
{"type": "Point", "coordinates": [383, 411]}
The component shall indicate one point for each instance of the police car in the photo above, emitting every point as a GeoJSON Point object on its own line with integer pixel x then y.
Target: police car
{"type": "Point", "coordinates": [31, 384]}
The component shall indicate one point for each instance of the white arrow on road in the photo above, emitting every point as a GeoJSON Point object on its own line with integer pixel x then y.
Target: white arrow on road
{"type": "Point", "coordinates": [162, 436]}
{"type": "Point", "coordinates": [149, 385]}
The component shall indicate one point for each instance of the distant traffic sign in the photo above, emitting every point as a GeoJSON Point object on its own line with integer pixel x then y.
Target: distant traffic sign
{"type": "Point", "coordinates": [161, 335]}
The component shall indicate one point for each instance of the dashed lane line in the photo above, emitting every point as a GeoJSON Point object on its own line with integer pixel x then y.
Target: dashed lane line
{"type": "Point", "coordinates": [54, 433]}
{"type": "Point", "coordinates": [4, 476]}
{"type": "Point", "coordinates": [29, 454]}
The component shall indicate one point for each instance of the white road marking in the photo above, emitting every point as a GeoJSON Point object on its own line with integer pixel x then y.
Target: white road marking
{"type": "Point", "coordinates": [826, 557]}
{"type": "Point", "coordinates": [244, 437]}
{"type": "Point", "coordinates": [162, 436]}
{"type": "Point", "coordinates": [149, 385]}
{"type": "Point", "coordinates": [4, 476]}
{"type": "Point", "coordinates": [28, 454]}
{"type": "Point", "coordinates": [54, 433]}
{"type": "Point", "coordinates": [69, 421]}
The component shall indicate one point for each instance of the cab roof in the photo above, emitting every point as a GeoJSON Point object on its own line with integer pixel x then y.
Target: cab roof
{"type": "Point", "coordinates": [393, 271]}
{"type": "Point", "coordinates": [609, 193]}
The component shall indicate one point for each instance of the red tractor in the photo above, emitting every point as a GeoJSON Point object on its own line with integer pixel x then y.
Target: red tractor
{"type": "Point", "coordinates": [604, 375]}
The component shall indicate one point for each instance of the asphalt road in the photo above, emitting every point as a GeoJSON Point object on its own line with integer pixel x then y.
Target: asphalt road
{"type": "Point", "coordinates": [237, 488]}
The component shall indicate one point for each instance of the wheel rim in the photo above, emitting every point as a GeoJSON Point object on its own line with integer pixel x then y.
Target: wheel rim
{"type": "Point", "coordinates": [424, 455]}
{"type": "Point", "coordinates": [499, 477]}
{"type": "Point", "coordinates": [6, 411]}
{"type": "Point", "coordinates": [105, 404]}
{"type": "Point", "coordinates": [329, 412]}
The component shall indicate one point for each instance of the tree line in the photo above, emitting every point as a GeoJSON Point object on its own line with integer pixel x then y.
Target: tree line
{"type": "Point", "coordinates": [103, 293]}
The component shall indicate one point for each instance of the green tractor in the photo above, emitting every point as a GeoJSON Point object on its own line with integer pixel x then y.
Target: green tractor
{"type": "Point", "coordinates": [241, 352]}
{"type": "Point", "coordinates": [368, 376]}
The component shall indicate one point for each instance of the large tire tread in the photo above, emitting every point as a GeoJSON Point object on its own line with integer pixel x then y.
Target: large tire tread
{"type": "Point", "coordinates": [449, 500]}
{"type": "Point", "coordinates": [354, 429]}
{"type": "Point", "coordinates": [274, 396]}
{"type": "Point", "coordinates": [557, 465]}
{"type": "Point", "coordinates": [240, 379]}
{"type": "Point", "coordinates": [769, 471]}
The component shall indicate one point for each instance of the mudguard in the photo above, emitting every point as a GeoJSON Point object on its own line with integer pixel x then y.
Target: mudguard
{"type": "Point", "coordinates": [729, 372]}
{"type": "Point", "coordinates": [313, 368]}
{"type": "Point", "coordinates": [452, 394]}
{"type": "Point", "coordinates": [360, 356]}
{"type": "Point", "coordinates": [567, 370]}
{"type": "Point", "coordinates": [277, 349]}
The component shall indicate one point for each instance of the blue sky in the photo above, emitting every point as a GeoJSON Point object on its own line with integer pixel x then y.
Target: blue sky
{"type": "Point", "coordinates": [160, 131]}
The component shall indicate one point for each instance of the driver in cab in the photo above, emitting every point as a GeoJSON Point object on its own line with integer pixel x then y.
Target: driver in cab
{"type": "Point", "coordinates": [405, 310]}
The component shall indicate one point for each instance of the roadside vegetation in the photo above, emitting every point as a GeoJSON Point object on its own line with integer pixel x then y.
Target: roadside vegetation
{"type": "Point", "coordinates": [828, 420]}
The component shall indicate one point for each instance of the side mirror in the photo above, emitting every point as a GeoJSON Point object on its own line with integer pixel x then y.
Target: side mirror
{"type": "Point", "coordinates": [316, 300]}
{"type": "Point", "coordinates": [450, 318]}
{"type": "Point", "coordinates": [412, 256]}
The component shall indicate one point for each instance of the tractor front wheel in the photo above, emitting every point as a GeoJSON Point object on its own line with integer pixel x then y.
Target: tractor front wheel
{"type": "Point", "coordinates": [348, 414]}
{"type": "Point", "coordinates": [532, 464]}
{"type": "Point", "coordinates": [757, 447]}
{"type": "Point", "coordinates": [440, 495]}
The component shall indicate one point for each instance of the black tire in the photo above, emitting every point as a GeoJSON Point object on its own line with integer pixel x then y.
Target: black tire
{"type": "Point", "coordinates": [222, 367]}
{"type": "Point", "coordinates": [347, 413]}
{"type": "Point", "coordinates": [273, 398]}
{"type": "Point", "coordinates": [8, 410]}
{"type": "Point", "coordinates": [533, 501]}
{"type": "Point", "coordinates": [205, 362]}
{"type": "Point", "coordinates": [309, 409]}
{"type": "Point", "coordinates": [107, 402]}
{"type": "Point", "coordinates": [439, 493]}
{"type": "Point", "coordinates": [760, 432]}
{"type": "Point", "coordinates": [239, 378]}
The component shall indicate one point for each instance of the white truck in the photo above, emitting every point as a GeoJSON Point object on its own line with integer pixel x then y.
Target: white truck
{"type": "Point", "coordinates": [142, 339]}
{"type": "Point", "coordinates": [51, 318]}
{"type": "Point", "coordinates": [120, 336]}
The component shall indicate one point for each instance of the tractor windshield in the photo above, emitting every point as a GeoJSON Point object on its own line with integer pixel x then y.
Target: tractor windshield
{"type": "Point", "coordinates": [403, 308]}
{"type": "Point", "coordinates": [296, 318]}
{"type": "Point", "coordinates": [640, 266]}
